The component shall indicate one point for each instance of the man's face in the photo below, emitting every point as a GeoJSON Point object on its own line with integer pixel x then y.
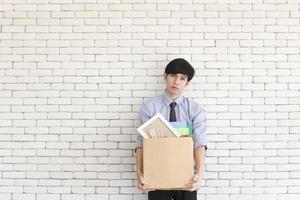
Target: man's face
{"type": "Point", "coordinates": [175, 83]}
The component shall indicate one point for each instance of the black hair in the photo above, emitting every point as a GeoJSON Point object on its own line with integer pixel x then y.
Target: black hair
{"type": "Point", "coordinates": [180, 66]}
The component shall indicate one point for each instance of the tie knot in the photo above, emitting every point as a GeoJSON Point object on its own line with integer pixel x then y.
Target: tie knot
{"type": "Point", "coordinates": [173, 104]}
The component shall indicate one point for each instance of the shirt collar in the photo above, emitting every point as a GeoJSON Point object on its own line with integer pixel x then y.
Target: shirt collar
{"type": "Point", "coordinates": [168, 100]}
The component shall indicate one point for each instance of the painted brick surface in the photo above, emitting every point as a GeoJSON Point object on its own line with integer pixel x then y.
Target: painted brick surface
{"type": "Point", "coordinates": [74, 73]}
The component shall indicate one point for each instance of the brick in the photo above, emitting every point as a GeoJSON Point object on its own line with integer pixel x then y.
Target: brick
{"type": "Point", "coordinates": [72, 196]}
{"type": "Point", "coordinates": [78, 72]}
{"type": "Point", "coordinates": [48, 196]}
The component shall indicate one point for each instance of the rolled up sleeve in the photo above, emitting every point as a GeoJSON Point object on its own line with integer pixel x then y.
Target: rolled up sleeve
{"type": "Point", "coordinates": [144, 115]}
{"type": "Point", "coordinates": [199, 127]}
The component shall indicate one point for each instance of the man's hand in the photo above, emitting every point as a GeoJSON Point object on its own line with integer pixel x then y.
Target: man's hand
{"type": "Point", "coordinates": [193, 185]}
{"type": "Point", "coordinates": [143, 185]}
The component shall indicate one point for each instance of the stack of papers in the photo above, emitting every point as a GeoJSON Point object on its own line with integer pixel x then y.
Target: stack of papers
{"type": "Point", "coordinates": [159, 127]}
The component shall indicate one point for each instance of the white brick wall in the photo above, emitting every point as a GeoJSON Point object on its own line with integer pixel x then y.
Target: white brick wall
{"type": "Point", "coordinates": [73, 75]}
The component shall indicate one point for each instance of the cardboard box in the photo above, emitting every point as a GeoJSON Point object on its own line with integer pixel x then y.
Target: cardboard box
{"type": "Point", "coordinates": [168, 162]}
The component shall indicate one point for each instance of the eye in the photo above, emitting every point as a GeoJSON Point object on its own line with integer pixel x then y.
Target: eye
{"type": "Point", "coordinates": [183, 78]}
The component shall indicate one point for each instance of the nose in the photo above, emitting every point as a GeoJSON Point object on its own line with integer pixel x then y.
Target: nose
{"type": "Point", "coordinates": [176, 79]}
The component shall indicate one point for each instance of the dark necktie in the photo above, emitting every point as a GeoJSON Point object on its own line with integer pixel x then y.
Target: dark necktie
{"type": "Point", "coordinates": [172, 112]}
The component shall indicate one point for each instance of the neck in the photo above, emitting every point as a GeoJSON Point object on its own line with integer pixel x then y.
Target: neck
{"type": "Point", "coordinates": [173, 96]}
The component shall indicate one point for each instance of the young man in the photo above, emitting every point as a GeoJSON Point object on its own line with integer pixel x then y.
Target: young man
{"type": "Point", "coordinates": [175, 107]}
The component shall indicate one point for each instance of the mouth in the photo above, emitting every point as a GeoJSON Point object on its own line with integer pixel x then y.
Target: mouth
{"type": "Point", "coordinates": [175, 88]}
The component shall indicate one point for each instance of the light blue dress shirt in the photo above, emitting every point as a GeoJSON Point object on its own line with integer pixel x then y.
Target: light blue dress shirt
{"type": "Point", "coordinates": [186, 111]}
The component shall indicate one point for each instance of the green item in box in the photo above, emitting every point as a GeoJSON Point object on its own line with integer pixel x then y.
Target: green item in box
{"type": "Point", "coordinates": [183, 131]}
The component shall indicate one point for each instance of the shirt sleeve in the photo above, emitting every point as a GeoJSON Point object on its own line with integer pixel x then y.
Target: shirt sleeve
{"type": "Point", "coordinates": [199, 126]}
{"type": "Point", "coordinates": [144, 115]}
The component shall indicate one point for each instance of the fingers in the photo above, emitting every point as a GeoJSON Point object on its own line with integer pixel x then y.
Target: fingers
{"type": "Point", "coordinates": [195, 178]}
{"type": "Point", "coordinates": [142, 179]}
{"type": "Point", "coordinates": [193, 184]}
{"type": "Point", "coordinates": [191, 187]}
{"type": "Point", "coordinates": [143, 185]}
{"type": "Point", "coordinates": [146, 188]}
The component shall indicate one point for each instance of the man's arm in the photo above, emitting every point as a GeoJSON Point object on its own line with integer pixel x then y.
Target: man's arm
{"type": "Point", "coordinates": [199, 137]}
{"type": "Point", "coordinates": [143, 116]}
{"type": "Point", "coordinates": [199, 156]}
{"type": "Point", "coordinates": [139, 171]}
{"type": "Point", "coordinates": [139, 162]}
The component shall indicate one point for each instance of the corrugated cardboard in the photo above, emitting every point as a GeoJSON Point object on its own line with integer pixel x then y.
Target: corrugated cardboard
{"type": "Point", "coordinates": [168, 162]}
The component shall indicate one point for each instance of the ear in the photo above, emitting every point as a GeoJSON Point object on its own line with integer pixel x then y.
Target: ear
{"type": "Point", "coordinates": [165, 76]}
{"type": "Point", "coordinates": [188, 83]}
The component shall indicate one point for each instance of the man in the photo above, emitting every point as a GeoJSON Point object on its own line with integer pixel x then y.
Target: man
{"type": "Point", "coordinates": [175, 107]}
